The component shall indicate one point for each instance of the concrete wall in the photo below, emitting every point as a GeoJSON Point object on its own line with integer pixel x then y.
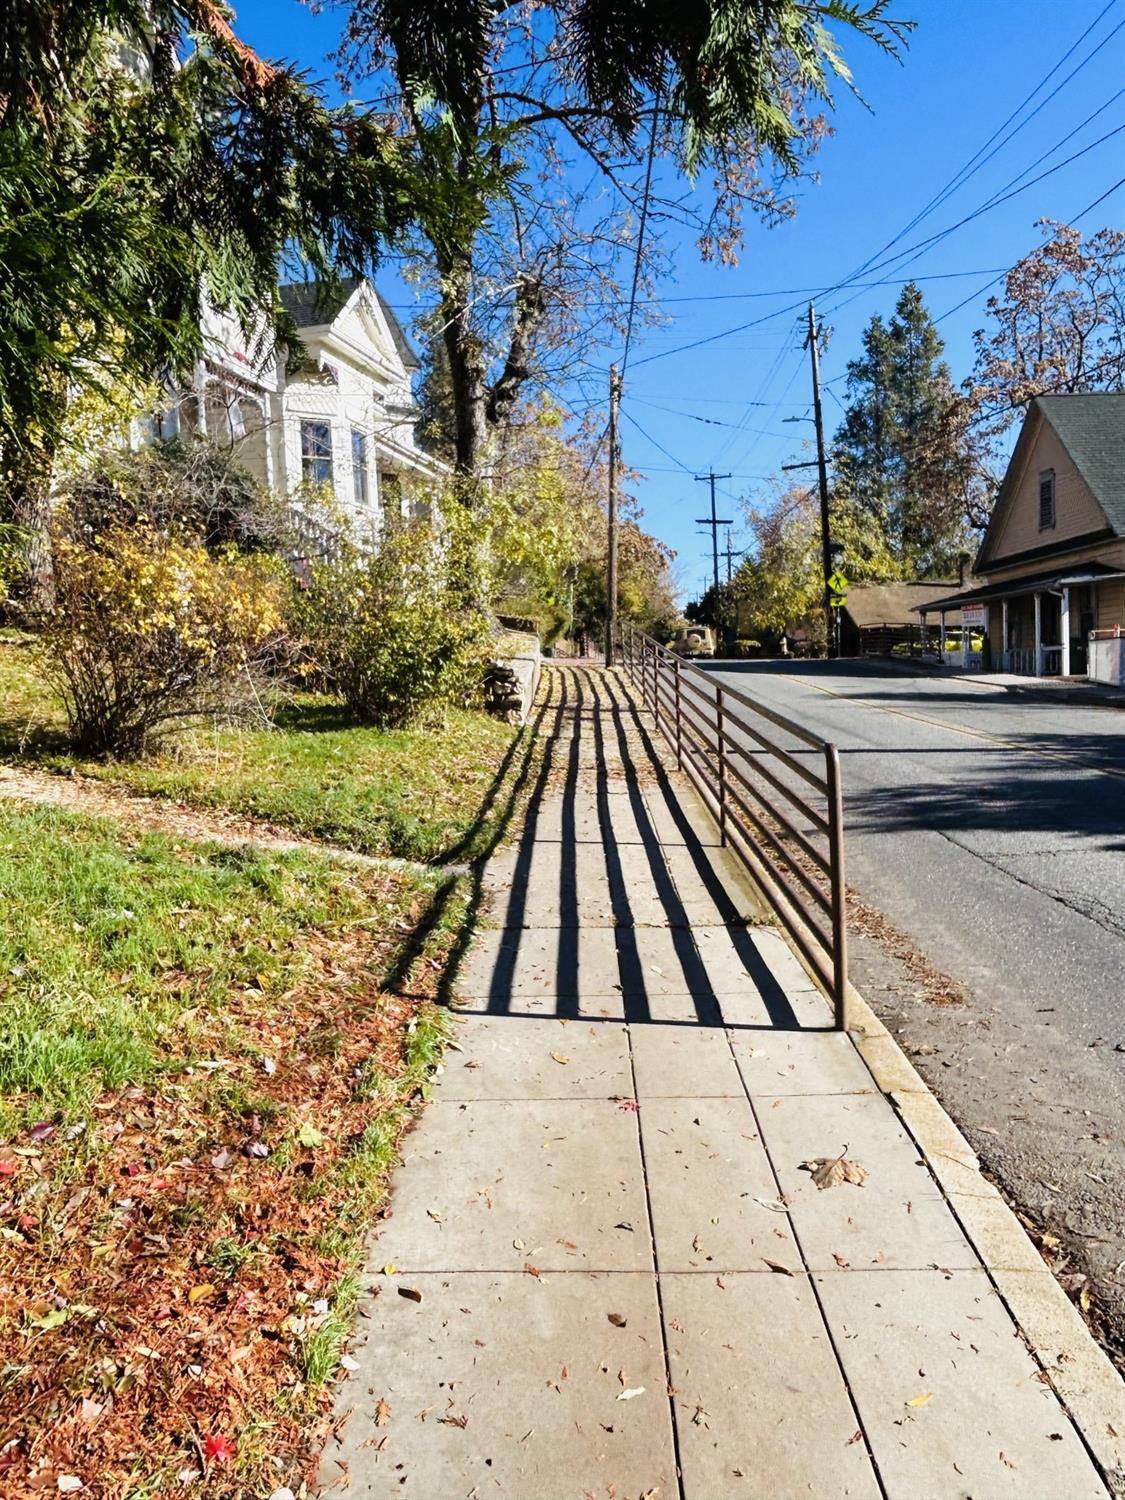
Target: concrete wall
{"type": "Point", "coordinates": [521, 652]}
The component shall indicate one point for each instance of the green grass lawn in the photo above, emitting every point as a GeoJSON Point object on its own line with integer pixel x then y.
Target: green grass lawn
{"type": "Point", "coordinates": [204, 1074]}
{"type": "Point", "coordinates": [417, 793]}
{"type": "Point", "coordinates": [120, 950]}
{"type": "Point", "coordinates": [208, 1054]}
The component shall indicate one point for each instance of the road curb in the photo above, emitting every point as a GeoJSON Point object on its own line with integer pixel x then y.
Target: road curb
{"type": "Point", "coordinates": [1081, 1374]}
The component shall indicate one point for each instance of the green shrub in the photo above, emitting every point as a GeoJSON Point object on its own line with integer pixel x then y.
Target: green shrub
{"type": "Point", "coordinates": [391, 631]}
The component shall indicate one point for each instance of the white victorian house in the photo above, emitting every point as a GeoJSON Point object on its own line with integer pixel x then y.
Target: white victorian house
{"type": "Point", "coordinates": [339, 412]}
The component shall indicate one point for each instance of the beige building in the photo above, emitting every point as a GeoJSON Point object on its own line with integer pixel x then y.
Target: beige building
{"type": "Point", "coordinates": [1051, 569]}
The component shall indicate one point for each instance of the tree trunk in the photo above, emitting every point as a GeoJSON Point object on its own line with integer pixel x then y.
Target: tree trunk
{"type": "Point", "coordinates": [466, 375]}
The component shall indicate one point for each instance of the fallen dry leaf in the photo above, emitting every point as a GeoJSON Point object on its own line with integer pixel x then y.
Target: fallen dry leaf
{"type": "Point", "coordinates": [382, 1412]}
{"type": "Point", "coordinates": [922, 1399]}
{"type": "Point", "coordinates": [634, 1390]}
{"type": "Point", "coordinates": [410, 1292]}
{"type": "Point", "coordinates": [831, 1171]}
{"type": "Point", "coordinates": [617, 1319]}
{"type": "Point", "coordinates": [775, 1265]}
{"type": "Point", "coordinates": [560, 1057]}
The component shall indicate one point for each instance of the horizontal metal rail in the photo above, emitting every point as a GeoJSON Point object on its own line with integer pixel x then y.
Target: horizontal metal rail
{"type": "Point", "coordinates": [777, 811]}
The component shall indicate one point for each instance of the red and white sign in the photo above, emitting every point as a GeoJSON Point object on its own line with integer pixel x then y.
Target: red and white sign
{"type": "Point", "coordinates": [974, 614]}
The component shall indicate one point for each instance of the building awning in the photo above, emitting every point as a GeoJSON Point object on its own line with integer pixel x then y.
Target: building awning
{"type": "Point", "coordinates": [1038, 583]}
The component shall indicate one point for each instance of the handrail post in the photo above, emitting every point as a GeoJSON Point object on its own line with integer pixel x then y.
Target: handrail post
{"type": "Point", "coordinates": [721, 743]}
{"type": "Point", "coordinates": [679, 732]}
{"type": "Point", "coordinates": [839, 891]}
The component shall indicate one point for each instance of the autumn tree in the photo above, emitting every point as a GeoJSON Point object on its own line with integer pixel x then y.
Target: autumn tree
{"type": "Point", "coordinates": [780, 584]}
{"type": "Point", "coordinates": [501, 109]}
{"type": "Point", "coordinates": [1059, 326]}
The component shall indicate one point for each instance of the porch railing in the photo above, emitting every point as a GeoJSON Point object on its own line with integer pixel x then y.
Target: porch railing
{"type": "Point", "coordinates": [777, 810]}
{"type": "Point", "coordinates": [1022, 661]}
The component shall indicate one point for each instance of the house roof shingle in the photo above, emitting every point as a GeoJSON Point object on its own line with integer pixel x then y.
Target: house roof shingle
{"type": "Point", "coordinates": [311, 303]}
{"type": "Point", "coordinates": [1092, 430]}
{"type": "Point", "coordinates": [872, 604]}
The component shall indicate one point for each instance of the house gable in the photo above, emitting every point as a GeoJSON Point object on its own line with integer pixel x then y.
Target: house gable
{"type": "Point", "coordinates": [360, 323]}
{"type": "Point", "coordinates": [1014, 533]}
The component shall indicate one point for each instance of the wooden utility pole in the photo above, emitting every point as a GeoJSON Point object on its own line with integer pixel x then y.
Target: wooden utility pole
{"type": "Point", "coordinates": [822, 475]}
{"type": "Point", "coordinates": [611, 552]}
{"type": "Point", "coordinates": [731, 555]}
{"type": "Point", "coordinates": [714, 523]}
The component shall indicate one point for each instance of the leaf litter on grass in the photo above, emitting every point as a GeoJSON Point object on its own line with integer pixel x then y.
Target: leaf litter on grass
{"type": "Point", "coordinates": [176, 1279]}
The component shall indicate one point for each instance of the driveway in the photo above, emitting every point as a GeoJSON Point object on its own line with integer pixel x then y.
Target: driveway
{"type": "Point", "coordinates": [991, 831]}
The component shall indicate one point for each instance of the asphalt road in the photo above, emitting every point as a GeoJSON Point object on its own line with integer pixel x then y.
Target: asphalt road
{"type": "Point", "coordinates": [991, 830]}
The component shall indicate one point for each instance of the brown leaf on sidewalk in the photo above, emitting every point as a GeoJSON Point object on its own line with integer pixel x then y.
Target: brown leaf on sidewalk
{"type": "Point", "coordinates": [617, 1319]}
{"type": "Point", "coordinates": [382, 1412]}
{"type": "Point", "coordinates": [831, 1171]}
{"type": "Point", "coordinates": [560, 1057]}
{"type": "Point", "coordinates": [411, 1293]}
{"type": "Point", "coordinates": [776, 1265]}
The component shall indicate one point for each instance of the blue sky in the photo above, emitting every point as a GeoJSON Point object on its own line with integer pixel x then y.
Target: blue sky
{"type": "Point", "coordinates": [970, 64]}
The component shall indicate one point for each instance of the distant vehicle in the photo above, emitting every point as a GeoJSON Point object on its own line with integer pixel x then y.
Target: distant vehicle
{"type": "Point", "coordinates": [693, 640]}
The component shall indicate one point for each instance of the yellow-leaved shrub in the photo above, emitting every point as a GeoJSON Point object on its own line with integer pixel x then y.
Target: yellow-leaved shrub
{"type": "Point", "coordinates": [146, 630]}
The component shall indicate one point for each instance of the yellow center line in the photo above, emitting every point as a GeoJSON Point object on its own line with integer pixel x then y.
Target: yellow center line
{"type": "Point", "coordinates": [975, 734]}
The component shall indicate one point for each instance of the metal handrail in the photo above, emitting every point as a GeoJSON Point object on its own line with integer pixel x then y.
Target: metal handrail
{"type": "Point", "coordinates": [799, 868]}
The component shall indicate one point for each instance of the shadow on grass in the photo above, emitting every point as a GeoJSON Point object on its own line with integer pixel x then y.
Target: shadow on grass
{"type": "Point", "coordinates": [457, 902]}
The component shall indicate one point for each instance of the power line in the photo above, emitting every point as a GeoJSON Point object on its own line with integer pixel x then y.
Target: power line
{"type": "Point", "coordinates": [787, 291]}
{"type": "Point", "coordinates": [1001, 196]}
{"type": "Point", "coordinates": [710, 421]}
{"type": "Point", "coordinates": [683, 468]}
{"type": "Point", "coordinates": [1074, 219]}
{"type": "Point", "coordinates": [961, 176]}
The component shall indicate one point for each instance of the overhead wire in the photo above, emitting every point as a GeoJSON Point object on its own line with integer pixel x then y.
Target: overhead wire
{"type": "Point", "coordinates": [977, 160]}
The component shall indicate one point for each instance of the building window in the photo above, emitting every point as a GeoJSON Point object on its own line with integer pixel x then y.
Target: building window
{"type": "Point", "coordinates": [316, 452]}
{"type": "Point", "coordinates": [359, 468]}
{"type": "Point", "coordinates": [1047, 500]}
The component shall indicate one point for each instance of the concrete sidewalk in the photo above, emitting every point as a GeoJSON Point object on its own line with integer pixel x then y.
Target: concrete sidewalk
{"type": "Point", "coordinates": [607, 1273]}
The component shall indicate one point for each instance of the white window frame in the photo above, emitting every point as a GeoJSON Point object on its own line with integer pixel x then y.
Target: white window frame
{"type": "Point", "coordinates": [313, 461]}
{"type": "Point", "coordinates": [361, 468]}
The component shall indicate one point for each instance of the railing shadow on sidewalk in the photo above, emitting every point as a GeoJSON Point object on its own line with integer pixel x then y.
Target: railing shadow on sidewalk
{"type": "Point", "coordinates": [776, 1002]}
{"type": "Point", "coordinates": [506, 790]}
{"type": "Point", "coordinates": [579, 707]}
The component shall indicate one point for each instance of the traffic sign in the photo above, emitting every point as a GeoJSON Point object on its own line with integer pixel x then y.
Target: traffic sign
{"type": "Point", "coordinates": [837, 601]}
{"type": "Point", "coordinates": [837, 583]}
